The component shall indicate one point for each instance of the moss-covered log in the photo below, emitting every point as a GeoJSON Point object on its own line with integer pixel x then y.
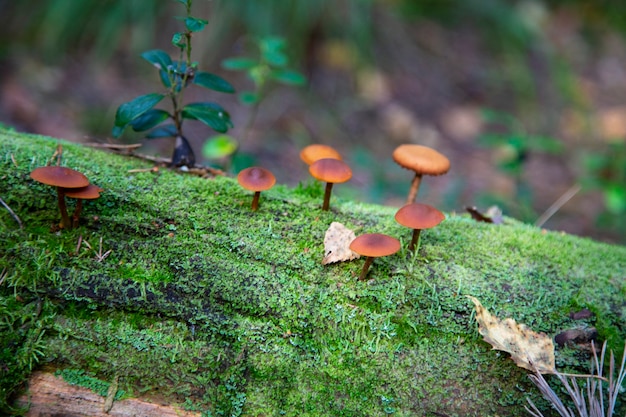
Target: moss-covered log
{"type": "Point", "coordinates": [227, 311]}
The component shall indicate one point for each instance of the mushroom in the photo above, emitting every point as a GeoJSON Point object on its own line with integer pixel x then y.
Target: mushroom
{"type": "Point", "coordinates": [314, 152]}
{"type": "Point", "coordinates": [256, 179]}
{"type": "Point", "coordinates": [418, 216]}
{"type": "Point", "coordinates": [330, 171]}
{"type": "Point", "coordinates": [90, 192]}
{"type": "Point", "coordinates": [61, 178]}
{"type": "Point", "coordinates": [423, 161]}
{"type": "Point", "coordinates": [373, 245]}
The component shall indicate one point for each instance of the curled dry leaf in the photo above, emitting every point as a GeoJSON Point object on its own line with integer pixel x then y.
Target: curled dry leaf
{"type": "Point", "coordinates": [337, 244]}
{"type": "Point", "coordinates": [528, 349]}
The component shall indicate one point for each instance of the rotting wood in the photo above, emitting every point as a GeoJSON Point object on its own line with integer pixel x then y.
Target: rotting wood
{"type": "Point", "coordinates": [51, 396]}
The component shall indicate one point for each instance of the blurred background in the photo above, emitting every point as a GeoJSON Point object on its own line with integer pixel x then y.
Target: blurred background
{"type": "Point", "coordinates": [526, 98]}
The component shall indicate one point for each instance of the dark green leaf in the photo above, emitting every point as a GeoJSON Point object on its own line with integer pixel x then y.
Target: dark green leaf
{"type": "Point", "coordinates": [239, 64]}
{"type": "Point", "coordinates": [219, 146]}
{"type": "Point", "coordinates": [213, 82]}
{"type": "Point", "coordinates": [158, 58]}
{"type": "Point", "coordinates": [249, 98]}
{"type": "Point", "coordinates": [129, 111]}
{"type": "Point", "coordinates": [165, 78]}
{"type": "Point", "coordinates": [179, 40]}
{"type": "Point", "coordinates": [166, 131]}
{"type": "Point", "coordinates": [149, 119]}
{"type": "Point", "coordinates": [195, 25]}
{"type": "Point", "coordinates": [287, 76]}
{"type": "Point", "coordinates": [184, 2]}
{"type": "Point", "coordinates": [211, 114]}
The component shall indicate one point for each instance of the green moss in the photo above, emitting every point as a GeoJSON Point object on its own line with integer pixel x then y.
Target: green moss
{"type": "Point", "coordinates": [230, 312]}
{"type": "Point", "coordinates": [81, 378]}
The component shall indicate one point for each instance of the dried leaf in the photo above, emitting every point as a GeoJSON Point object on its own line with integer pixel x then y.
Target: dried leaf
{"type": "Point", "coordinates": [492, 215]}
{"type": "Point", "coordinates": [528, 349]}
{"type": "Point", "coordinates": [337, 244]}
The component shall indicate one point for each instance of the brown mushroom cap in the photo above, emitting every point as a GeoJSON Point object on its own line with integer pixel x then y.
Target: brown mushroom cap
{"type": "Point", "coordinates": [89, 192]}
{"type": "Point", "coordinates": [256, 179]}
{"type": "Point", "coordinates": [330, 170]}
{"type": "Point", "coordinates": [375, 245]}
{"type": "Point", "coordinates": [419, 216]}
{"type": "Point", "coordinates": [314, 152]}
{"type": "Point", "coordinates": [59, 177]}
{"type": "Point", "coordinates": [421, 159]}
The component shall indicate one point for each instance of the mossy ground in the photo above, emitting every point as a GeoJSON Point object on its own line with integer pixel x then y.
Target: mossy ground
{"type": "Point", "coordinates": [230, 312]}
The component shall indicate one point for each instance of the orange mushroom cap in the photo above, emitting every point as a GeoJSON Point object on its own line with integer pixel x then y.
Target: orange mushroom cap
{"type": "Point", "coordinates": [421, 159]}
{"type": "Point", "coordinates": [330, 170]}
{"type": "Point", "coordinates": [419, 216]}
{"type": "Point", "coordinates": [89, 192]}
{"type": "Point", "coordinates": [375, 245]}
{"type": "Point", "coordinates": [314, 152]}
{"type": "Point", "coordinates": [256, 179]}
{"type": "Point", "coordinates": [59, 177]}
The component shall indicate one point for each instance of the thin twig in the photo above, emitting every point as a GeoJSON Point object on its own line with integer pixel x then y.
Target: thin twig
{"type": "Point", "coordinates": [560, 202]}
{"type": "Point", "coordinates": [17, 219]}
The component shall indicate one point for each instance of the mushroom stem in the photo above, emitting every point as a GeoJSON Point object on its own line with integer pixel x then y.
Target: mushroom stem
{"type": "Point", "coordinates": [77, 210]}
{"type": "Point", "coordinates": [366, 267]}
{"type": "Point", "coordinates": [329, 187]}
{"type": "Point", "coordinates": [415, 186]}
{"type": "Point", "coordinates": [255, 200]}
{"type": "Point", "coordinates": [65, 219]}
{"type": "Point", "coordinates": [415, 239]}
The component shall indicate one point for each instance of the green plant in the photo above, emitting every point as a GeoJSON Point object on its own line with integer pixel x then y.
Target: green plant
{"type": "Point", "coordinates": [176, 75]}
{"type": "Point", "coordinates": [606, 171]}
{"type": "Point", "coordinates": [512, 145]}
{"type": "Point", "coordinates": [271, 65]}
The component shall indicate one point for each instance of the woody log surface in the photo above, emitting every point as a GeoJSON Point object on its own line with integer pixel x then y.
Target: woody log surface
{"type": "Point", "coordinates": [197, 301]}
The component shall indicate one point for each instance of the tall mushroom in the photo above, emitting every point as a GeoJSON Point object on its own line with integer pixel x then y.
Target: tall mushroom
{"type": "Point", "coordinates": [256, 179]}
{"type": "Point", "coordinates": [312, 153]}
{"type": "Point", "coordinates": [331, 171]}
{"type": "Point", "coordinates": [418, 216]}
{"type": "Point", "coordinates": [373, 245]}
{"type": "Point", "coordinates": [423, 161]}
{"type": "Point", "coordinates": [61, 178]}
{"type": "Point", "coordinates": [90, 192]}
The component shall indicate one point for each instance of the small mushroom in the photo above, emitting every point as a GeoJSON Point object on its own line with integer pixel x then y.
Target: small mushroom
{"type": "Point", "coordinates": [90, 192]}
{"type": "Point", "coordinates": [373, 245]}
{"type": "Point", "coordinates": [423, 161]}
{"type": "Point", "coordinates": [418, 216]}
{"type": "Point", "coordinates": [330, 171]}
{"type": "Point", "coordinates": [61, 178]}
{"type": "Point", "coordinates": [314, 152]}
{"type": "Point", "coordinates": [256, 179]}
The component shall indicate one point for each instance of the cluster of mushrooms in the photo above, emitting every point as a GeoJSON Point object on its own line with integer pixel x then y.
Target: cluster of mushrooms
{"type": "Point", "coordinates": [68, 183]}
{"type": "Point", "coordinates": [325, 164]}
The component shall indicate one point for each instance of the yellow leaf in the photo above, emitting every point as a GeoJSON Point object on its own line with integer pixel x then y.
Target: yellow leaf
{"type": "Point", "coordinates": [528, 349]}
